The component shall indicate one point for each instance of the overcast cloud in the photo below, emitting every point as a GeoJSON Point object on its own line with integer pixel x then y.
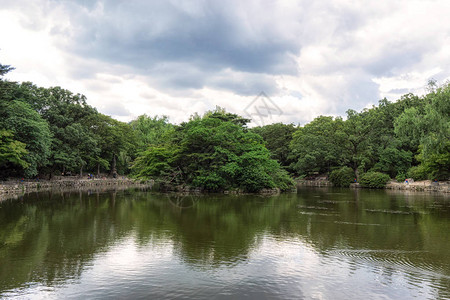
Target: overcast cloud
{"type": "Point", "coordinates": [180, 57]}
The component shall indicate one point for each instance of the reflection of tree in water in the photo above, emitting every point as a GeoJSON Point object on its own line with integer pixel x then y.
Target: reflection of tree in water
{"type": "Point", "coordinates": [61, 234]}
{"type": "Point", "coordinates": [223, 230]}
{"type": "Point", "coordinates": [392, 230]}
{"type": "Point", "coordinates": [54, 236]}
{"type": "Point", "coordinates": [182, 201]}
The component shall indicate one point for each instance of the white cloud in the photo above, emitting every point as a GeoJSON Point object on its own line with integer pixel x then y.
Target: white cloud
{"type": "Point", "coordinates": [177, 58]}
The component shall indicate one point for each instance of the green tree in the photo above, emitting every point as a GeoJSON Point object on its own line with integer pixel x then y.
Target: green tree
{"type": "Point", "coordinates": [342, 177]}
{"type": "Point", "coordinates": [11, 151]}
{"type": "Point", "coordinates": [393, 161]}
{"type": "Point", "coordinates": [277, 139]}
{"type": "Point", "coordinates": [30, 129]}
{"type": "Point", "coordinates": [375, 180]}
{"type": "Point", "coordinates": [4, 69]}
{"type": "Point", "coordinates": [151, 131]}
{"type": "Point", "coordinates": [427, 131]}
{"type": "Point", "coordinates": [214, 152]}
{"type": "Point", "coordinates": [74, 143]}
{"type": "Point", "coordinates": [317, 146]}
{"type": "Point", "coordinates": [116, 142]}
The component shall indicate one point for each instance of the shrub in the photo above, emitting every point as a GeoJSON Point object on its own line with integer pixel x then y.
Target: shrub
{"type": "Point", "coordinates": [417, 173]}
{"type": "Point", "coordinates": [400, 177]}
{"type": "Point", "coordinates": [375, 180]}
{"type": "Point", "coordinates": [342, 177]}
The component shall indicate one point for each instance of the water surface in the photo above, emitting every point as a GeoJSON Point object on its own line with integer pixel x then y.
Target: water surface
{"type": "Point", "coordinates": [316, 244]}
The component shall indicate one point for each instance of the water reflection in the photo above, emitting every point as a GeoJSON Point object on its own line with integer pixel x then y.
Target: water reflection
{"type": "Point", "coordinates": [317, 243]}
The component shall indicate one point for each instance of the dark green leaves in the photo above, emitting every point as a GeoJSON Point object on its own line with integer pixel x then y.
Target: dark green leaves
{"type": "Point", "coordinates": [213, 153]}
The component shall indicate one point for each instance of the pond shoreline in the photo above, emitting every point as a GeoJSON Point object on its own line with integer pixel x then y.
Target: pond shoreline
{"type": "Point", "coordinates": [420, 186]}
{"type": "Point", "coordinates": [415, 186]}
{"type": "Point", "coordinates": [17, 188]}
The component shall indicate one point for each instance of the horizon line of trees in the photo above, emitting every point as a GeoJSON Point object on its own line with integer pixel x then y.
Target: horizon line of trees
{"type": "Point", "coordinates": [409, 138]}
{"type": "Point", "coordinates": [49, 131]}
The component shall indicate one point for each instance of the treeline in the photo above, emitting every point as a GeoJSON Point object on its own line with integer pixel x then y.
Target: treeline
{"type": "Point", "coordinates": [409, 138]}
{"type": "Point", "coordinates": [49, 131]}
{"type": "Point", "coordinates": [215, 152]}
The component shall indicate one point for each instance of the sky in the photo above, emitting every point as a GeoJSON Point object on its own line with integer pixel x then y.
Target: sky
{"type": "Point", "coordinates": [272, 61]}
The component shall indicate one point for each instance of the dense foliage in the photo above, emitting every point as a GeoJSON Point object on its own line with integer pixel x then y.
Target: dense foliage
{"type": "Point", "coordinates": [375, 180]}
{"type": "Point", "coordinates": [410, 137]}
{"type": "Point", "coordinates": [215, 152]}
{"type": "Point", "coordinates": [277, 137]}
{"type": "Point", "coordinates": [48, 131]}
{"type": "Point", "coordinates": [342, 177]}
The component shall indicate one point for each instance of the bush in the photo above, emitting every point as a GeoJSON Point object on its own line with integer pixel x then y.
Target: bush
{"type": "Point", "coordinates": [342, 177]}
{"type": "Point", "coordinates": [400, 177]}
{"type": "Point", "coordinates": [417, 173]}
{"type": "Point", "coordinates": [375, 180]}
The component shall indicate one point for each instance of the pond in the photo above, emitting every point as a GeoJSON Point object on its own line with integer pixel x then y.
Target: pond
{"type": "Point", "coordinates": [315, 244]}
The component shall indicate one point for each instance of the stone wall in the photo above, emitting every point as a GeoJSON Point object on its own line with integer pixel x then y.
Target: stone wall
{"type": "Point", "coordinates": [420, 186]}
{"type": "Point", "coordinates": [316, 182]}
{"type": "Point", "coordinates": [10, 189]}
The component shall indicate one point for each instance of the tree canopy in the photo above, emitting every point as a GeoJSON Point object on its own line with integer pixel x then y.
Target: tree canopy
{"type": "Point", "coordinates": [214, 152]}
{"type": "Point", "coordinates": [47, 131]}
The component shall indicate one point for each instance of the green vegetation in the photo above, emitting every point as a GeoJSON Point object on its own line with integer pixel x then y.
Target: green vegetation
{"type": "Point", "coordinates": [375, 180]}
{"type": "Point", "coordinates": [277, 137]}
{"type": "Point", "coordinates": [215, 152]}
{"type": "Point", "coordinates": [49, 131]}
{"type": "Point", "coordinates": [342, 177]}
{"type": "Point", "coordinates": [407, 138]}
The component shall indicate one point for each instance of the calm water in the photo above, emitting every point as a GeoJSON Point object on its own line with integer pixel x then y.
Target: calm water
{"type": "Point", "coordinates": [316, 244]}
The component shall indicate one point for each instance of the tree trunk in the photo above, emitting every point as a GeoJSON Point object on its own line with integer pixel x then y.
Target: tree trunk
{"type": "Point", "coordinates": [81, 171]}
{"type": "Point", "coordinates": [113, 168]}
{"type": "Point", "coordinates": [98, 169]}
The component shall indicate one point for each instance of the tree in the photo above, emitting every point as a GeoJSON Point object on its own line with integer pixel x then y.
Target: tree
{"type": "Point", "coordinates": [30, 129]}
{"type": "Point", "coordinates": [317, 146]}
{"type": "Point", "coordinates": [214, 152]}
{"type": "Point", "coordinates": [4, 69]}
{"type": "Point", "coordinates": [151, 131]}
{"type": "Point", "coordinates": [342, 177]}
{"type": "Point", "coordinates": [277, 138]}
{"type": "Point", "coordinates": [115, 140]}
{"type": "Point", "coordinates": [74, 145]}
{"type": "Point", "coordinates": [428, 131]}
{"type": "Point", "coordinates": [11, 152]}
{"type": "Point", "coordinates": [357, 149]}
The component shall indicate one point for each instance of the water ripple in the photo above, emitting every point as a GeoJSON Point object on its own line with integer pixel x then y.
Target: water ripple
{"type": "Point", "coordinates": [413, 261]}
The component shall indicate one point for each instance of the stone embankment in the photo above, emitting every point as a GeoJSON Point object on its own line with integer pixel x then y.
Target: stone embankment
{"type": "Point", "coordinates": [319, 181]}
{"type": "Point", "coordinates": [420, 186]}
{"type": "Point", "coordinates": [411, 185]}
{"type": "Point", "coordinates": [10, 189]}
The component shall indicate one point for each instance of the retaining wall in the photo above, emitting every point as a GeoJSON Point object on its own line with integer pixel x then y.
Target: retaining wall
{"type": "Point", "coordinates": [14, 188]}
{"type": "Point", "coordinates": [420, 186]}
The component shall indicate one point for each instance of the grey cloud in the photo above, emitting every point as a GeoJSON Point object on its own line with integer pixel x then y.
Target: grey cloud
{"type": "Point", "coordinates": [115, 109]}
{"type": "Point", "coordinates": [247, 85]}
{"type": "Point", "coordinates": [399, 91]}
{"type": "Point", "coordinates": [180, 47]}
{"type": "Point", "coordinates": [150, 35]}
{"type": "Point", "coordinates": [396, 58]}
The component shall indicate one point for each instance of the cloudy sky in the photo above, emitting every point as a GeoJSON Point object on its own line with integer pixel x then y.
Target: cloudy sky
{"type": "Point", "coordinates": [175, 58]}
